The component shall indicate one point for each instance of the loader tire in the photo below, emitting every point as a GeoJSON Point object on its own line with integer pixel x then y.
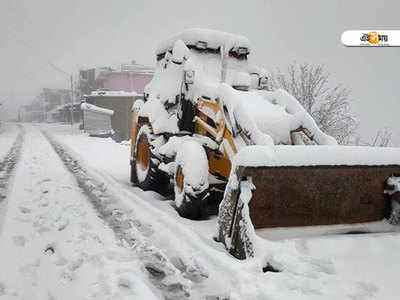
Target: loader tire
{"type": "Point", "coordinates": [144, 171]}
{"type": "Point", "coordinates": [191, 205]}
{"type": "Point", "coordinates": [133, 173]}
{"type": "Point", "coordinates": [393, 194]}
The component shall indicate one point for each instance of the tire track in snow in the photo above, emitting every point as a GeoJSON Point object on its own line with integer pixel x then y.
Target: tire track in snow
{"type": "Point", "coordinates": [53, 244]}
{"type": "Point", "coordinates": [7, 165]}
{"type": "Point", "coordinates": [131, 232]}
{"type": "Point", "coordinates": [215, 274]}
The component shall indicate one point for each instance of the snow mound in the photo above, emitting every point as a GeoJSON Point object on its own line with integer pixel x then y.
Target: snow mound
{"type": "Point", "coordinates": [161, 121]}
{"type": "Point", "coordinates": [281, 107]}
{"type": "Point", "coordinates": [196, 175]}
{"type": "Point", "coordinates": [274, 113]}
{"type": "Point", "coordinates": [180, 52]}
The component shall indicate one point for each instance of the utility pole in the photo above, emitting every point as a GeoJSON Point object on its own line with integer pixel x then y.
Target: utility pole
{"type": "Point", "coordinates": [72, 102]}
{"type": "Point", "coordinates": [72, 88]}
{"type": "Point", "coordinates": [42, 101]}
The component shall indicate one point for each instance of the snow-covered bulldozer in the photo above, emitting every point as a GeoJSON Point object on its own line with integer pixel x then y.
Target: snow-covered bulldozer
{"type": "Point", "coordinates": [208, 125]}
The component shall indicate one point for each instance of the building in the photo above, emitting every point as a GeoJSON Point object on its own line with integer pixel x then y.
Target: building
{"type": "Point", "coordinates": [33, 112]}
{"type": "Point", "coordinates": [126, 81]}
{"type": "Point", "coordinates": [121, 103]}
{"type": "Point", "coordinates": [116, 90]}
{"type": "Point", "coordinates": [52, 105]}
{"type": "Point", "coordinates": [55, 97]}
{"type": "Point", "coordinates": [62, 114]}
{"type": "Point", "coordinates": [131, 77]}
{"type": "Point", "coordinates": [92, 79]}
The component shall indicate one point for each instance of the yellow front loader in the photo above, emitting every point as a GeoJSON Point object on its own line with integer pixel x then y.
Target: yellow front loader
{"type": "Point", "coordinates": [207, 126]}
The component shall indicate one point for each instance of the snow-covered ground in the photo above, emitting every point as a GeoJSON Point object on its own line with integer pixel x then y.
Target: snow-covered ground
{"type": "Point", "coordinates": [53, 245]}
{"type": "Point", "coordinates": [75, 228]}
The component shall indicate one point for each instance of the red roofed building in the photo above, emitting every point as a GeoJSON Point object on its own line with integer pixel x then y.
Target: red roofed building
{"type": "Point", "coordinates": [126, 81]}
{"type": "Point", "coordinates": [132, 77]}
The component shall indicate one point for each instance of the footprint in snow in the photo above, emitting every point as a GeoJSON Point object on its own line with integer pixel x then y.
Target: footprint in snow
{"type": "Point", "coordinates": [44, 229]}
{"type": "Point", "coordinates": [23, 218]}
{"type": "Point", "coordinates": [44, 202]}
{"type": "Point", "coordinates": [62, 223]}
{"type": "Point", "coordinates": [365, 290]}
{"type": "Point", "coordinates": [44, 180]}
{"type": "Point", "coordinates": [322, 265]}
{"type": "Point", "coordinates": [24, 210]}
{"type": "Point", "coordinates": [2, 289]}
{"type": "Point", "coordinates": [31, 268]}
{"type": "Point", "coordinates": [19, 240]}
{"type": "Point", "coordinates": [85, 225]}
{"type": "Point", "coordinates": [125, 282]}
{"type": "Point", "coordinates": [119, 256]}
{"type": "Point", "coordinates": [60, 261]}
{"type": "Point", "coordinates": [69, 270]}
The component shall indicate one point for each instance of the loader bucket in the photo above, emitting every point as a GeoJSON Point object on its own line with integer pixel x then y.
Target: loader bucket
{"type": "Point", "coordinates": [320, 195]}
{"type": "Point", "coordinates": [306, 195]}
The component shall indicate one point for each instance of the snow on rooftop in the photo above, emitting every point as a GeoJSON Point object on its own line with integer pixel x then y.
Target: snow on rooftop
{"type": "Point", "coordinates": [114, 94]}
{"type": "Point", "coordinates": [94, 108]}
{"type": "Point", "coordinates": [296, 156]}
{"type": "Point", "coordinates": [56, 109]}
{"type": "Point", "coordinates": [214, 39]}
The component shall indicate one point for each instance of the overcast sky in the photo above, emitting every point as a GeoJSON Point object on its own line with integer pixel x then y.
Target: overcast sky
{"type": "Point", "coordinates": [73, 34]}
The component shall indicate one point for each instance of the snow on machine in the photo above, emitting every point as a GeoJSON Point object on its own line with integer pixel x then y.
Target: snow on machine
{"type": "Point", "coordinates": [208, 126]}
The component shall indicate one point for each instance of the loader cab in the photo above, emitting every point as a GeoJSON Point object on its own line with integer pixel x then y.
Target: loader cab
{"type": "Point", "coordinates": [207, 57]}
{"type": "Point", "coordinates": [229, 66]}
{"type": "Point", "coordinates": [220, 63]}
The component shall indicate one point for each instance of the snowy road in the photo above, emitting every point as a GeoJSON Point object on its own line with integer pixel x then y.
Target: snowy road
{"type": "Point", "coordinates": [75, 228]}
{"type": "Point", "coordinates": [53, 245]}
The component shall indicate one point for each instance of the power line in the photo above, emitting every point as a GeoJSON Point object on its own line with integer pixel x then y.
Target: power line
{"type": "Point", "coordinates": [58, 69]}
{"type": "Point", "coordinates": [47, 61]}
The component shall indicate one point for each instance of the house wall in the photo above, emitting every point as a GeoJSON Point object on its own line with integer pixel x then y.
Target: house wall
{"type": "Point", "coordinates": [125, 81]}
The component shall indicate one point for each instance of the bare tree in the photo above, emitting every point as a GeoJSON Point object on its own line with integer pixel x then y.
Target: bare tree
{"type": "Point", "coordinates": [328, 105]}
{"type": "Point", "coordinates": [382, 139]}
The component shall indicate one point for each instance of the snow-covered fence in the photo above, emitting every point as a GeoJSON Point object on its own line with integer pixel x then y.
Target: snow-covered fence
{"type": "Point", "coordinates": [97, 120]}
